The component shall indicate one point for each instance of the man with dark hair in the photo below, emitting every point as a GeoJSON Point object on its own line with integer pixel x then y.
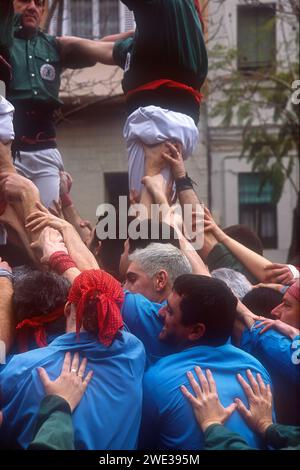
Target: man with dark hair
{"type": "Point", "coordinates": [262, 300]}
{"type": "Point", "coordinates": [198, 319]}
{"type": "Point", "coordinates": [244, 235]}
{"type": "Point", "coordinates": [38, 300]}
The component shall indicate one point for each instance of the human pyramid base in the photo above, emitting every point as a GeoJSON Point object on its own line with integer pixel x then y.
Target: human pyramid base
{"type": "Point", "coordinates": [183, 339]}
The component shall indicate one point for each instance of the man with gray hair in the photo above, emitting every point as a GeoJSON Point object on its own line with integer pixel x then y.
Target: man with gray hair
{"type": "Point", "coordinates": [236, 281]}
{"type": "Point", "coordinates": [149, 280]}
{"type": "Point", "coordinates": [153, 270]}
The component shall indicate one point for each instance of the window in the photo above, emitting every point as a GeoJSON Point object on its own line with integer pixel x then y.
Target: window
{"type": "Point", "coordinates": [91, 19]}
{"type": "Point", "coordinates": [256, 38]}
{"type": "Point", "coordinates": [256, 207]}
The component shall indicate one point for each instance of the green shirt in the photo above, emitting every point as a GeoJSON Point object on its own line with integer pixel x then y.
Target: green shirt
{"type": "Point", "coordinates": [168, 43]}
{"type": "Point", "coordinates": [54, 427]}
{"type": "Point", "coordinates": [278, 436]}
{"type": "Point", "coordinates": [221, 257]}
{"type": "Point", "coordinates": [35, 61]}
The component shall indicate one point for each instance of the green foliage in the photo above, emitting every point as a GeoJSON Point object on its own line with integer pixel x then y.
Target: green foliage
{"type": "Point", "coordinates": [271, 146]}
{"type": "Point", "coordinates": [260, 102]}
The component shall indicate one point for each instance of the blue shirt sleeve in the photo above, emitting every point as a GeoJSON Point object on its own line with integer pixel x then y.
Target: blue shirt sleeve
{"type": "Point", "coordinates": [277, 352]}
{"type": "Point", "coordinates": [149, 430]}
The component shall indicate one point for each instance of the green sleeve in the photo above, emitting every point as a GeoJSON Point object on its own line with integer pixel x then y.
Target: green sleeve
{"type": "Point", "coordinates": [6, 23]}
{"type": "Point", "coordinates": [120, 51]}
{"type": "Point", "coordinates": [217, 437]}
{"type": "Point", "coordinates": [221, 257]}
{"type": "Point", "coordinates": [281, 436]}
{"type": "Point", "coordinates": [54, 428]}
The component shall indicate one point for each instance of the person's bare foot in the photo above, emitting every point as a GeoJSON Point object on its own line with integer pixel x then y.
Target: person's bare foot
{"type": "Point", "coordinates": [154, 163]}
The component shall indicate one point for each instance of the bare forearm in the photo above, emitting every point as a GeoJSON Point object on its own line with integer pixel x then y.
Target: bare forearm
{"type": "Point", "coordinates": [191, 204]}
{"type": "Point", "coordinates": [77, 250]}
{"type": "Point", "coordinates": [72, 216]}
{"type": "Point", "coordinates": [7, 321]}
{"type": "Point", "coordinates": [195, 260]}
{"type": "Point", "coordinates": [71, 274]}
{"type": "Point", "coordinates": [254, 262]}
{"type": "Point", "coordinates": [85, 52]}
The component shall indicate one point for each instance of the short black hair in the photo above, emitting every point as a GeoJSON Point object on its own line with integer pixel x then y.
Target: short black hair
{"type": "Point", "coordinates": [158, 232]}
{"type": "Point", "coordinates": [244, 235]}
{"type": "Point", "coordinates": [262, 300]}
{"type": "Point", "coordinates": [208, 301]}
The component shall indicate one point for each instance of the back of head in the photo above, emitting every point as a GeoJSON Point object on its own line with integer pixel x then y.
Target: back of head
{"type": "Point", "coordinates": [236, 281]}
{"type": "Point", "coordinates": [244, 235]}
{"type": "Point", "coordinates": [38, 293]}
{"type": "Point", "coordinates": [262, 300]}
{"type": "Point", "coordinates": [112, 245]}
{"type": "Point", "coordinates": [98, 298]}
{"type": "Point", "coordinates": [156, 257]}
{"type": "Point", "coordinates": [38, 301]}
{"type": "Point", "coordinates": [208, 301]}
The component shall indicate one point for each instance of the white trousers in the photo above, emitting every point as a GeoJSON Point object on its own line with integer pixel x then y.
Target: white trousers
{"type": "Point", "coordinates": [42, 167]}
{"type": "Point", "coordinates": [153, 125]}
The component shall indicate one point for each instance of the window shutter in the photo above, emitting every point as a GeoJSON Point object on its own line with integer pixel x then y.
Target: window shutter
{"type": "Point", "coordinates": [126, 18]}
{"type": "Point", "coordinates": [256, 36]}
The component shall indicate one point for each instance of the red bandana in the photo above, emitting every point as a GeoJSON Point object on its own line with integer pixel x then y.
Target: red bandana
{"type": "Point", "coordinates": [38, 325]}
{"type": "Point", "coordinates": [99, 285]}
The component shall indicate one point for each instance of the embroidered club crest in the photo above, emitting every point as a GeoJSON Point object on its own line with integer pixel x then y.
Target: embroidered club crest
{"type": "Point", "coordinates": [48, 72]}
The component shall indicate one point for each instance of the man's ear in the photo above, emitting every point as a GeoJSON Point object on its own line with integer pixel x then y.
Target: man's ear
{"type": "Point", "coordinates": [196, 332]}
{"type": "Point", "coordinates": [161, 280]}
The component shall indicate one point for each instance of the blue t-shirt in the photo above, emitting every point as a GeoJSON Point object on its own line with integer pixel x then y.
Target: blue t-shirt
{"type": "Point", "coordinates": [142, 319]}
{"type": "Point", "coordinates": [168, 420]}
{"type": "Point", "coordinates": [280, 356]}
{"type": "Point", "coordinates": [109, 414]}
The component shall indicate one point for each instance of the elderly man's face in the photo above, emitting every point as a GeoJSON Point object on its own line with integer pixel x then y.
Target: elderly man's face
{"type": "Point", "coordinates": [31, 11]}
{"type": "Point", "coordinates": [138, 282]}
{"type": "Point", "coordinates": [288, 311]}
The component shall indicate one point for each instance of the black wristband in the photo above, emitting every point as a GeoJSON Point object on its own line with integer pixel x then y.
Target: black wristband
{"type": "Point", "coordinates": [184, 183]}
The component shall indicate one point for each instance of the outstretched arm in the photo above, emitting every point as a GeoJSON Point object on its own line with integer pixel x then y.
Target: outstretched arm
{"type": "Point", "coordinates": [80, 254]}
{"type": "Point", "coordinates": [78, 52]}
{"type": "Point", "coordinates": [255, 263]}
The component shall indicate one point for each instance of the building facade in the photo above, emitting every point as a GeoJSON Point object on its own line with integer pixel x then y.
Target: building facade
{"type": "Point", "coordinates": [260, 37]}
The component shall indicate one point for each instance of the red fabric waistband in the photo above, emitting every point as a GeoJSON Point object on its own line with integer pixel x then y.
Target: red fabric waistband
{"type": "Point", "coordinates": [168, 84]}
